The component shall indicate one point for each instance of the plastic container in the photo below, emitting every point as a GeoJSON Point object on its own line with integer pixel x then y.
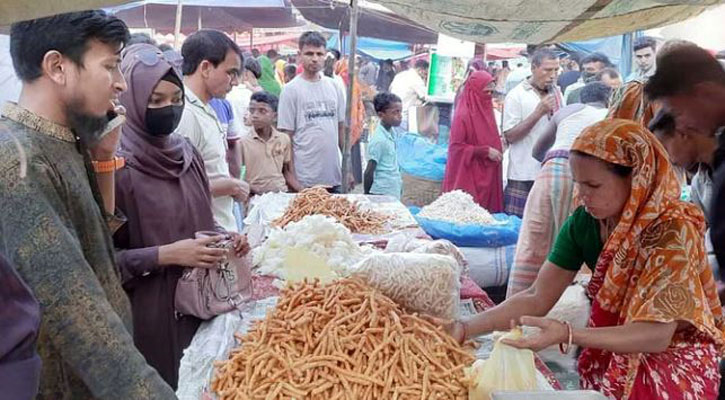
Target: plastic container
{"type": "Point", "coordinates": [548, 395]}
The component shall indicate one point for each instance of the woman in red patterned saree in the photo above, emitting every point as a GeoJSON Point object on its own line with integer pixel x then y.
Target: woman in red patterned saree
{"type": "Point", "coordinates": [656, 328]}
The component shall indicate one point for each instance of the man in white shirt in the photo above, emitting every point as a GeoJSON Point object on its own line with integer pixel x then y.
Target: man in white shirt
{"type": "Point", "coordinates": [410, 86]}
{"type": "Point", "coordinates": [240, 95]}
{"type": "Point", "coordinates": [212, 66]}
{"type": "Point", "coordinates": [527, 110]}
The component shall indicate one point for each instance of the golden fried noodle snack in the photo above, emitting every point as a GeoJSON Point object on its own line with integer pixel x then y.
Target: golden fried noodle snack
{"type": "Point", "coordinates": [342, 341]}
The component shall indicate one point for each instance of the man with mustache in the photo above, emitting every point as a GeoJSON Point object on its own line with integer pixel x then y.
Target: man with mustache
{"type": "Point", "coordinates": [56, 194]}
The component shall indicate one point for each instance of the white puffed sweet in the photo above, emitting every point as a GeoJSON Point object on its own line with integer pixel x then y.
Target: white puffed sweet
{"type": "Point", "coordinates": [457, 207]}
{"type": "Point", "coordinates": [320, 235]}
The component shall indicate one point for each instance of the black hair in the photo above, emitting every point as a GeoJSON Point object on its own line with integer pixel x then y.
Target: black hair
{"type": "Point", "coordinates": [504, 64]}
{"type": "Point", "coordinates": [620, 170]}
{"type": "Point", "coordinates": [576, 57]}
{"type": "Point", "coordinates": [531, 49]}
{"type": "Point", "coordinates": [663, 124]}
{"type": "Point", "coordinates": [645, 42]}
{"type": "Point", "coordinates": [313, 39]}
{"type": "Point", "coordinates": [165, 47]}
{"type": "Point", "coordinates": [290, 69]}
{"type": "Point", "coordinates": [422, 64]}
{"type": "Point", "coordinates": [543, 54]}
{"type": "Point", "coordinates": [596, 57]}
{"type": "Point", "coordinates": [140, 37]}
{"type": "Point", "coordinates": [680, 69]}
{"type": "Point", "coordinates": [255, 51]}
{"type": "Point", "coordinates": [595, 92]}
{"type": "Point", "coordinates": [207, 44]}
{"type": "Point", "coordinates": [384, 100]}
{"type": "Point", "coordinates": [272, 53]}
{"type": "Point", "coordinates": [253, 66]}
{"type": "Point", "coordinates": [610, 72]}
{"type": "Point", "coordinates": [335, 53]}
{"type": "Point", "coordinates": [387, 61]}
{"type": "Point", "coordinates": [267, 98]}
{"type": "Point", "coordinates": [67, 33]}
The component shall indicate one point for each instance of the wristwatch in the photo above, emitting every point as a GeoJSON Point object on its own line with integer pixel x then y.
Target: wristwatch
{"type": "Point", "coordinates": [109, 166]}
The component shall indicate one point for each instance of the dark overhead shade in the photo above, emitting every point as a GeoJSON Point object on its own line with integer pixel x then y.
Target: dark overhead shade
{"type": "Point", "coordinates": [372, 23]}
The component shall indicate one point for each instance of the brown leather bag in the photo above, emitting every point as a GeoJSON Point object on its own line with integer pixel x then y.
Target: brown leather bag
{"type": "Point", "coordinates": [208, 292]}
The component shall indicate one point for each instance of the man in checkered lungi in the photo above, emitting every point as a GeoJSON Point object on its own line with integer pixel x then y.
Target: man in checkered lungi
{"type": "Point", "coordinates": [527, 110]}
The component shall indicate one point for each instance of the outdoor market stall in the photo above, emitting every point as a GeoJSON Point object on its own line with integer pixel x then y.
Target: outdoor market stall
{"type": "Point", "coordinates": [324, 248]}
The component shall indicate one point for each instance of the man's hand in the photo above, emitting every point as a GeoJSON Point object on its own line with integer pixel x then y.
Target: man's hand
{"type": "Point", "coordinates": [106, 148]}
{"type": "Point", "coordinates": [546, 105]}
{"type": "Point", "coordinates": [237, 189]}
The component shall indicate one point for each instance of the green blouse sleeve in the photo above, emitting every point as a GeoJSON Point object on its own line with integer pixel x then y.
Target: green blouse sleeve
{"type": "Point", "coordinates": [577, 243]}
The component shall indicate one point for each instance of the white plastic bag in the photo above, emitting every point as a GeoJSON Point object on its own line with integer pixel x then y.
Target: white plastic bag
{"type": "Point", "coordinates": [423, 283]}
{"type": "Point", "coordinates": [507, 369]}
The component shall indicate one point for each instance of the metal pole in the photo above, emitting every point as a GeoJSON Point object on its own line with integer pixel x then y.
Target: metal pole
{"type": "Point", "coordinates": [351, 79]}
{"type": "Point", "coordinates": [177, 27]}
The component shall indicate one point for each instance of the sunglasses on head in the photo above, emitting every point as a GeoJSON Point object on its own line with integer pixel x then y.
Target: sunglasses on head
{"type": "Point", "coordinates": [151, 57]}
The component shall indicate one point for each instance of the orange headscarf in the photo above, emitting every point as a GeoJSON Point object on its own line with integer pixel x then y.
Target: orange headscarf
{"type": "Point", "coordinates": [629, 102]}
{"type": "Point", "coordinates": [654, 263]}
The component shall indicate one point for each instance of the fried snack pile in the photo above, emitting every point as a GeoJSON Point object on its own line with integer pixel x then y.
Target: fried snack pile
{"type": "Point", "coordinates": [342, 341]}
{"type": "Point", "coordinates": [317, 200]}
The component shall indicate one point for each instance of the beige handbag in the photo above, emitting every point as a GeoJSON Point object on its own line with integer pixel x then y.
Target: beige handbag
{"type": "Point", "coordinates": [208, 292]}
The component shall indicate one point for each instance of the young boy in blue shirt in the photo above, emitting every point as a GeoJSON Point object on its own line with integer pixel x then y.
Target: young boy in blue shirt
{"type": "Point", "coordinates": [382, 175]}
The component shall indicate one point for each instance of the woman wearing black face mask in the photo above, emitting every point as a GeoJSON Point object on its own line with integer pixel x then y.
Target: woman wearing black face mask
{"type": "Point", "coordinates": [163, 193]}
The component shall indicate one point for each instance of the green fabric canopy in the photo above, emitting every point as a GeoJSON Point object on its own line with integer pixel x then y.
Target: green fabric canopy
{"type": "Point", "coordinates": [538, 21]}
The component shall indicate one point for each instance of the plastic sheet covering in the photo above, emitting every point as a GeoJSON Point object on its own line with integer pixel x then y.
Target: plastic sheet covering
{"type": "Point", "coordinates": [420, 157]}
{"type": "Point", "coordinates": [495, 21]}
{"type": "Point", "coordinates": [213, 341]}
{"type": "Point", "coordinates": [503, 234]}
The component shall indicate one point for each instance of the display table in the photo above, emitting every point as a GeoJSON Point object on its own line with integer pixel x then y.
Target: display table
{"type": "Point", "coordinates": [215, 338]}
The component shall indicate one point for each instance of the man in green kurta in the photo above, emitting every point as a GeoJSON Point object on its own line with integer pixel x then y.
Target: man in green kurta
{"type": "Point", "coordinates": [53, 206]}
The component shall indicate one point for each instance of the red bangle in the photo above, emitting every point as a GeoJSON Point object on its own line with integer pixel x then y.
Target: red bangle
{"type": "Point", "coordinates": [564, 348]}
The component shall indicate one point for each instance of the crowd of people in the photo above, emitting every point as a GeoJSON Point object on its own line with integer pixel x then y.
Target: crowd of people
{"type": "Point", "coordinates": [118, 152]}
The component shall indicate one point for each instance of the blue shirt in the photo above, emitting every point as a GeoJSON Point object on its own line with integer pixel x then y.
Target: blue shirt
{"type": "Point", "coordinates": [381, 149]}
{"type": "Point", "coordinates": [224, 113]}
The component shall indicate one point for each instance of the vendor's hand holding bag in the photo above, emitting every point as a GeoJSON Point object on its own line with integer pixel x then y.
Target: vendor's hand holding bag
{"type": "Point", "coordinates": [208, 292]}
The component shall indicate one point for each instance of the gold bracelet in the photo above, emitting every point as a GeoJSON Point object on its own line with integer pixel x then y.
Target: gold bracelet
{"type": "Point", "coordinates": [564, 348]}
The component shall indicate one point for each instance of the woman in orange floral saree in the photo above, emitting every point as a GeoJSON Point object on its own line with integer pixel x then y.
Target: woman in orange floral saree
{"type": "Point", "coordinates": [656, 327]}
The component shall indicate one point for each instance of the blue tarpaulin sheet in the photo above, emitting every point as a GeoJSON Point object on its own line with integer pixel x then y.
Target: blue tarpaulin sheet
{"type": "Point", "coordinates": [418, 157]}
{"type": "Point", "coordinates": [377, 49]}
{"type": "Point", "coordinates": [505, 233]}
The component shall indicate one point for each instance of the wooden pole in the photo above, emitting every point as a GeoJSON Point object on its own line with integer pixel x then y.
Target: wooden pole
{"type": "Point", "coordinates": [354, 12]}
{"type": "Point", "coordinates": [177, 27]}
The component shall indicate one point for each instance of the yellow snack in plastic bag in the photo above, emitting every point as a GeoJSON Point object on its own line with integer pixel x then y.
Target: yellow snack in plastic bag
{"type": "Point", "coordinates": [508, 369]}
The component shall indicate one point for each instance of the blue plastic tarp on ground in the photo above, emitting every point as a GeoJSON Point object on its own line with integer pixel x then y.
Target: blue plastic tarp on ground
{"type": "Point", "coordinates": [504, 234]}
{"type": "Point", "coordinates": [418, 157]}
